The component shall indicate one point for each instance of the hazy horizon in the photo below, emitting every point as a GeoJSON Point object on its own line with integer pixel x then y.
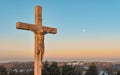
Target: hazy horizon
{"type": "Point", "coordinates": [114, 60]}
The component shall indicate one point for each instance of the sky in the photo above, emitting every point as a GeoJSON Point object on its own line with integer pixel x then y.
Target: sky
{"type": "Point", "coordinates": [86, 30]}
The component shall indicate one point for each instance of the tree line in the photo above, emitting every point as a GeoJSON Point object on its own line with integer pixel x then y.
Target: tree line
{"type": "Point", "coordinates": [54, 69]}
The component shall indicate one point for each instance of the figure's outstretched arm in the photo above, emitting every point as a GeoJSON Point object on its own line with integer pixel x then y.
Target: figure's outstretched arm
{"type": "Point", "coordinates": [26, 26]}
{"type": "Point", "coordinates": [49, 30]}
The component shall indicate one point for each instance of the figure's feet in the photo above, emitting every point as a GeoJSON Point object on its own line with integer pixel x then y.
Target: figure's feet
{"type": "Point", "coordinates": [41, 65]}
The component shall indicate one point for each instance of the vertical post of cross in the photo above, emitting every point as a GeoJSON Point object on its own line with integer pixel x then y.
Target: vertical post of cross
{"type": "Point", "coordinates": [39, 42]}
{"type": "Point", "coordinates": [38, 16]}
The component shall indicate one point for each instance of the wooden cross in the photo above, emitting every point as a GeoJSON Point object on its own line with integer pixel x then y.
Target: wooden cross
{"type": "Point", "coordinates": [39, 32]}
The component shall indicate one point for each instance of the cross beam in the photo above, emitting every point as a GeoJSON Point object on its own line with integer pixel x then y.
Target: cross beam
{"type": "Point", "coordinates": [39, 32]}
{"type": "Point", "coordinates": [32, 27]}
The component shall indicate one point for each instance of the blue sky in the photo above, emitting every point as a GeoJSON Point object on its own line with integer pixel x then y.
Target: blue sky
{"type": "Point", "coordinates": [99, 18]}
{"type": "Point", "coordinates": [96, 16]}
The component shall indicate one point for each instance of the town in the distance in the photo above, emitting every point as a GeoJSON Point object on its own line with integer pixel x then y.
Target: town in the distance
{"type": "Point", "coordinates": [61, 68]}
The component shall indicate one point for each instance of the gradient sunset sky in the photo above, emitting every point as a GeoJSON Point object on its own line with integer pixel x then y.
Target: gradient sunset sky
{"type": "Point", "coordinates": [87, 29]}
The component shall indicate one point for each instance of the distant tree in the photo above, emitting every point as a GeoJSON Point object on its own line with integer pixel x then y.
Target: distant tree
{"type": "Point", "coordinates": [92, 70]}
{"type": "Point", "coordinates": [3, 71]}
{"type": "Point", "coordinates": [103, 73]}
{"type": "Point", "coordinates": [46, 68]}
{"type": "Point", "coordinates": [67, 70]}
{"type": "Point", "coordinates": [21, 73]}
{"type": "Point", "coordinates": [77, 70]}
{"type": "Point", "coordinates": [12, 73]}
{"type": "Point", "coordinates": [118, 73]}
{"type": "Point", "coordinates": [54, 69]}
{"type": "Point", "coordinates": [30, 73]}
{"type": "Point", "coordinates": [109, 73]}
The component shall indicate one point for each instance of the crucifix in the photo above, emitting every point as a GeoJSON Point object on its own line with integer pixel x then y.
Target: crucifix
{"type": "Point", "coordinates": [39, 32]}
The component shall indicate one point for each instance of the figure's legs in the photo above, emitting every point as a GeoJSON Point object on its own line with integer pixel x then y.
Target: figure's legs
{"type": "Point", "coordinates": [42, 54]}
{"type": "Point", "coordinates": [43, 48]}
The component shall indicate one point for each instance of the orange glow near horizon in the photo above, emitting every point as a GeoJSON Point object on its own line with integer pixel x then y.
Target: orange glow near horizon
{"type": "Point", "coordinates": [84, 53]}
{"type": "Point", "coordinates": [64, 49]}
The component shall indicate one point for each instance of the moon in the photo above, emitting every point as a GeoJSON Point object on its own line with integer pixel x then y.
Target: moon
{"type": "Point", "coordinates": [84, 30]}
